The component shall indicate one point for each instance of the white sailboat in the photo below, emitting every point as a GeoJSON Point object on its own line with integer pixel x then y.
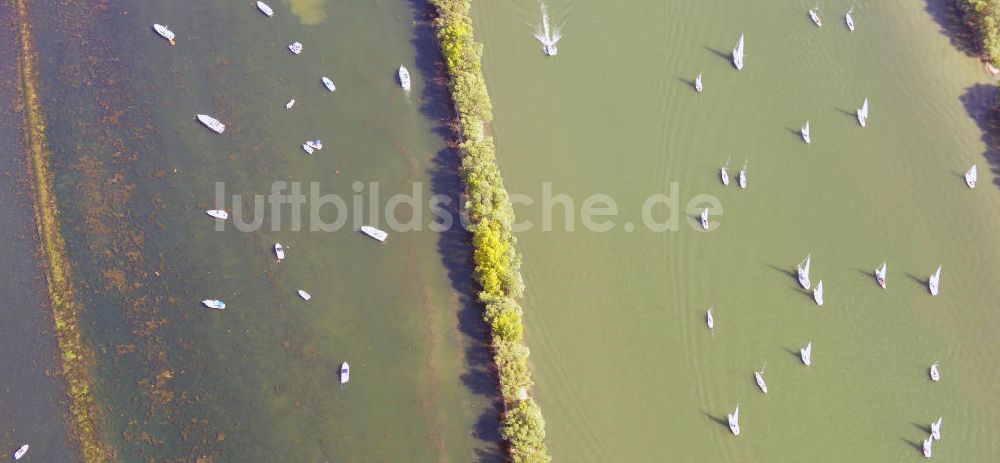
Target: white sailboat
{"type": "Point", "coordinates": [759, 377]}
{"type": "Point", "coordinates": [214, 304]}
{"type": "Point", "coordinates": [165, 33]}
{"type": "Point", "coordinates": [743, 176]}
{"type": "Point", "coordinates": [345, 373]}
{"type": "Point", "coordinates": [927, 447]}
{"type": "Point", "coordinates": [935, 374]}
{"type": "Point", "coordinates": [725, 173]}
{"type": "Point", "coordinates": [704, 219]}
{"type": "Point", "coordinates": [814, 16]}
{"type": "Point", "coordinates": [806, 353]}
{"type": "Point", "coordinates": [329, 84]}
{"type": "Point", "coordinates": [805, 133]}
{"type": "Point", "coordinates": [404, 78]}
{"type": "Point", "coordinates": [374, 232]}
{"type": "Point", "coordinates": [932, 283]}
{"type": "Point", "coordinates": [880, 275]}
{"type": "Point", "coordinates": [211, 122]}
{"type": "Point", "coordinates": [709, 319]}
{"type": "Point", "coordinates": [295, 47]}
{"type": "Point", "coordinates": [818, 293]}
{"type": "Point", "coordinates": [863, 113]}
{"type": "Point", "coordinates": [849, 19]}
{"type": "Point", "coordinates": [218, 213]}
{"type": "Point", "coordinates": [21, 451]}
{"type": "Point", "coordinates": [304, 295]}
{"type": "Point", "coordinates": [803, 271]}
{"type": "Point", "coordinates": [279, 252]}
{"type": "Point", "coordinates": [734, 421]}
{"type": "Point", "coordinates": [265, 8]}
{"type": "Point", "coordinates": [697, 84]}
{"type": "Point", "coordinates": [936, 429]}
{"type": "Point", "coordinates": [738, 54]}
{"type": "Point", "coordinates": [290, 104]}
{"type": "Point", "coordinates": [971, 176]}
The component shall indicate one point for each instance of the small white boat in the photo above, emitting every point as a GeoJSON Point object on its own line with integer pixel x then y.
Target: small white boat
{"type": "Point", "coordinates": [704, 219]}
{"type": "Point", "coordinates": [759, 377]}
{"type": "Point", "coordinates": [295, 47]}
{"type": "Point", "coordinates": [738, 54]}
{"type": "Point", "coordinates": [308, 149]}
{"type": "Point", "coordinates": [849, 19]}
{"type": "Point", "coordinates": [805, 133]}
{"type": "Point", "coordinates": [265, 8]}
{"type": "Point", "coordinates": [725, 173]}
{"type": "Point", "coordinates": [290, 104]}
{"type": "Point", "coordinates": [863, 113]}
{"type": "Point", "coordinates": [316, 144]}
{"type": "Point", "coordinates": [20, 452]}
{"type": "Point", "coordinates": [932, 283]}
{"type": "Point", "coordinates": [211, 122]}
{"type": "Point", "coordinates": [880, 275]}
{"type": "Point", "coordinates": [697, 84]}
{"type": "Point", "coordinates": [279, 252]}
{"type": "Point", "coordinates": [814, 16]}
{"type": "Point", "coordinates": [935, 374]}
{"type": "Point", "coordinates": [374, 232]}
{"type": "Point", "coordinates": [165, 33]}
{"type": "Point", "coordinates": [404, 78]}
{"type": "Point", "coordinates": [818, 293]}
{"type": "Point", "coordinates": [803, 272]}
{"type": "Point", "coordinates": [548, 36]}
{"type": "Point", "coordinates": [709, 319]}
{"type": "Point", "coordinates": [214, 304]}
{"type": "Point", "coordinates": [971, 176]}
{"type": "Point", "coordinates": [304, 295]}
{"type": "Point", "coordinates": [806, 353]}
{"type": "Point", "coordinates": [927, 447]}
{"type": "Point", "coordinates": [345, 373]}
{"type": "Point", "coordinates": [734, 421]}
{"type": "Point", "coordinates": [329, 84]}
{"type": "Point", "coordinates": [218, 213]}
{"type": "Point", "coordinates": [743, 176]}
{"type": "Point", "coordinates": [936, 429]}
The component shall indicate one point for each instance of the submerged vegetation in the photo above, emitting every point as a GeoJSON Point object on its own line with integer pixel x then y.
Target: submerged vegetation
{"type": "Point", "coordinates": [497, 263]}
{"type": "Point", "coordinates": [76, 358]}
{"type": "Point", "coordinates": [983, 16]}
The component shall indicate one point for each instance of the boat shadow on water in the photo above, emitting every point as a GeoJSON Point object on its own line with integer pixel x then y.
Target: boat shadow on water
{"type": "Point", "coordinates": [728, 57]}
{"type": "Point", "coordinates": [979, 101]}
{"type": "Point", "coordinates": [453, 244]}
{"type": "Point", "coordinates": [916, 445]}
{"type": "Point", "coordinates": [793, 352]}
{"type": "Point", "coordinates": [721, 420]}
{"type": "Point", "coordinates": [690, 83]}
{"type": "Point", "coordinates": [925, 429]}
{"type": "Point", "coordinates": [923, 281]}
{"type": "Point", "coordinates": [791, 273]}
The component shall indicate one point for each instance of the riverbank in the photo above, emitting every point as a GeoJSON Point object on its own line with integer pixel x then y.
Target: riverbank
{"type": "Point", "coordinates": [497, 263]}
{"type": "Point", "coordinates": [76, 358]}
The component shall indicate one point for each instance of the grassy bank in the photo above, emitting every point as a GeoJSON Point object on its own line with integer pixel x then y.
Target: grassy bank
{"type": "Point", "coordinates": [497, 263]}
{"type": "Point", "coordinates": [76, 358]}
{"type": "Point", "coordinates": [983, 16]}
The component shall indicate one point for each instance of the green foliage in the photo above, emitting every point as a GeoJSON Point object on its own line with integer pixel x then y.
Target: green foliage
{"type": "Point", "coordinates": [507, 326]}
{"type": "Point", "coordinates": [524, 428]}
{"type": "Point", "coordinates": [984, 17]}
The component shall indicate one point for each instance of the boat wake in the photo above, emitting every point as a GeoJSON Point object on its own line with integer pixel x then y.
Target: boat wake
{"type": "Point", "coordinates": [546, 34]}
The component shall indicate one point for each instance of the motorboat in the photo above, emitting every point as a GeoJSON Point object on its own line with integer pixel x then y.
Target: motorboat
{"type": "Point", "coordinates": [738, 54]}
{"type": "Point", "coordinates": [345, 373]}
{"type": "Point", "coordinates": [818, 293]}
{"type": "Point", "coordinates": [329, 84]}
{"type": "Point", "coordinates": [165, 33]}
{"type": "Point", "coordinates": [308, 149]}
{"type": "Point", "coordinates": [697, 84]}
{"type": "Point", "coordinates": [806, 353]}
{"type": "Point", "coordinates": [218, 213]}
{"type": "Point", "coordinates": [932, 283]}
{"type": "Point", "coordinates": [734, 421]}
{"type": "Point", "coordinates": [295, 47]}
{"type": "Point", "coordinates": [709, 319]}
{"type": "Point", "coordinates": [404, 78]}
{"type": "Point", "coordinates": [880, 275]}
{"type": "Point", "coordinates": [547, 35]}
{"type": "Point", "coordinates": [803, 272]}
{"type": "Point", "coordinates": [935, 374]}
{"type": "Point", "coordinates": [374, 232]}
{"type": "Point", "coordinates": [704, 219]}
{"type": "Point", "coordinates": [316, 144]}
{"type": "Point", "coordinates": [304, 295]}
{"type": "Point", "coordinates": [805, 133]}
{"type": "Point", "coordinates": [265, 8]}
{"type": "Point", "coordinates": [211, 123]}
{"type": "Point", "coordinates": [290, 104]}
{"type": "Point", "coordinates": [214, 304]}
{"type": "Point", "coordinates": [21, 451]}
{"type": "Point", "coordinates": [971, 176]}
{"type": "Point", "coordinates": [279, 252]}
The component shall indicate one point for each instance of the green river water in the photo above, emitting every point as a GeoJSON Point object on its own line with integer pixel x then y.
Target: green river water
{"type": "Point", "coordinates": [625, 367]}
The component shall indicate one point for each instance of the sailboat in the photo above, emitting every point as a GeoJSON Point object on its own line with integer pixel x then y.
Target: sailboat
{"type": "Point", "coordinates": [849, 20]}
{"type": "Point", "coordinates": [805, 133]}
{"type": "Point", "coordinates": [709, 319]}
{"type": "Point", "coordinates": [818, 293]}
{"type": "Point", "coordinates": [863, 113]}
{"type": "Point", "coordinates": [345, 373]}
{"type": "Point", "coordinates": [936, 429]}
{"type": "Point", "coordinates": [935, 374]}
{"type": "Point", "coordinates": [20, 452]}
{"type": "Point", "coordinates": [697, 84]}
{"type": "Point", "coordinates": [927, 447]}
{"type": "Point", "coordinates": [279, 252]}
{"type": "Point", "coordinates": [932, 283]}
{"type": "Point", "coordinates": [806, 353]}
{"type": "Point", "coordinates": [743, 176]}
{"type": "Point", "coordinates": [880, 275]}
{"type": "Point", "coordinates": [704, 219]}
{"type": "Point", "coordinates": [734, 421]}
{"type": "Point", "coordinates": [814, 15]}
{"type": "Point", "coordinates": [725, 173]}
{"type": "Point", "coordinates": [759, 377]}
{"type": "Point", "coordinates": [803, 271]}
{"type": "Point", "coordinates": [971, 176]}
{"type": "Point", "coordinates": [738, 54]}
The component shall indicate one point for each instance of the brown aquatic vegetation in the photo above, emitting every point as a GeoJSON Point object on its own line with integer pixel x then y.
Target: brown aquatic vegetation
{"type": "Point", "coordinates": [76, 358]}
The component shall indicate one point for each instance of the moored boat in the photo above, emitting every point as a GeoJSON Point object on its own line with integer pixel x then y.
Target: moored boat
{"type": "Point", "coordinates": [404, 77]}
{"type": "Point", "coordinates": [818, 293]}
{"type": "Point", "coordinates": [21, 451]}
{"type": "Point", "coordinates": [806, 353]}
{"type": "Point", "coordinates": [734, 421]}
{"type": "Point", "coordinates": [316, 144]}
{"type": "Point", "coordinates": [304, 295]}
{"type": "Point", "coordinates": [935, 374]}
{"type": "Point", "coordinates": [971, 176]}
{"type": "Point", "coordinates": [165, 33]}
{"type": "Point", "coordinates": [743, 176]}
{"type": "Point", "coordinates": [936, 429]}
{"type": "Point", "coordinates": [279, 251]}
{"type": "Point", "coordinates": [295, 47]}
{"type": "Point", "coordinates": [805, 133]}
{"type": "Point", "coordinates": [849, 19]}
{"type": "Point", "coordinates": [935, 279]}
{"type": "Point", "coordinates": [218, 213]}
{"type": "Point", "coordinates": [880, 275]}
{"type": "Point", "coordinates": [759, 377]}
{"type": "Point", "coordinates": [709, 319]}
{"type": "Point", "coordinates": [345, 373]}
{"type": "Point", "coordinates": [214, 304]}
{"type": "Point", "coordinates": [265, 8]}
{"type": "Point", "coordinates": [211, 123]}
{"type": "Point", "coordinates": [803, 272]}
{"type": "Point", "coordinates": [738, 54]}
{"type": "Point", "coordinates": [814, 16]}
{"type": "Point", "coordinates": [374, 232]}
{"type": "Point", "coordinates": [724, 173]}
{"type": "Point", "coordinates": [863, 114]}
{"type": "Point", "coordinates": [308, 149]}
{"type": "Point", "coordinates": [290, 104]}
{"type": "Point", "coordinates": [329, 84]}
{"type": "Point", "coordinates": [704, 219]}
{"type": "Point", "coordinates": [697, 84]}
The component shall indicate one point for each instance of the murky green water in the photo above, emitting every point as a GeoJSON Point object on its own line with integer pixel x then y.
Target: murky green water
{"type": "Point", "coordinates": [626, 368]}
